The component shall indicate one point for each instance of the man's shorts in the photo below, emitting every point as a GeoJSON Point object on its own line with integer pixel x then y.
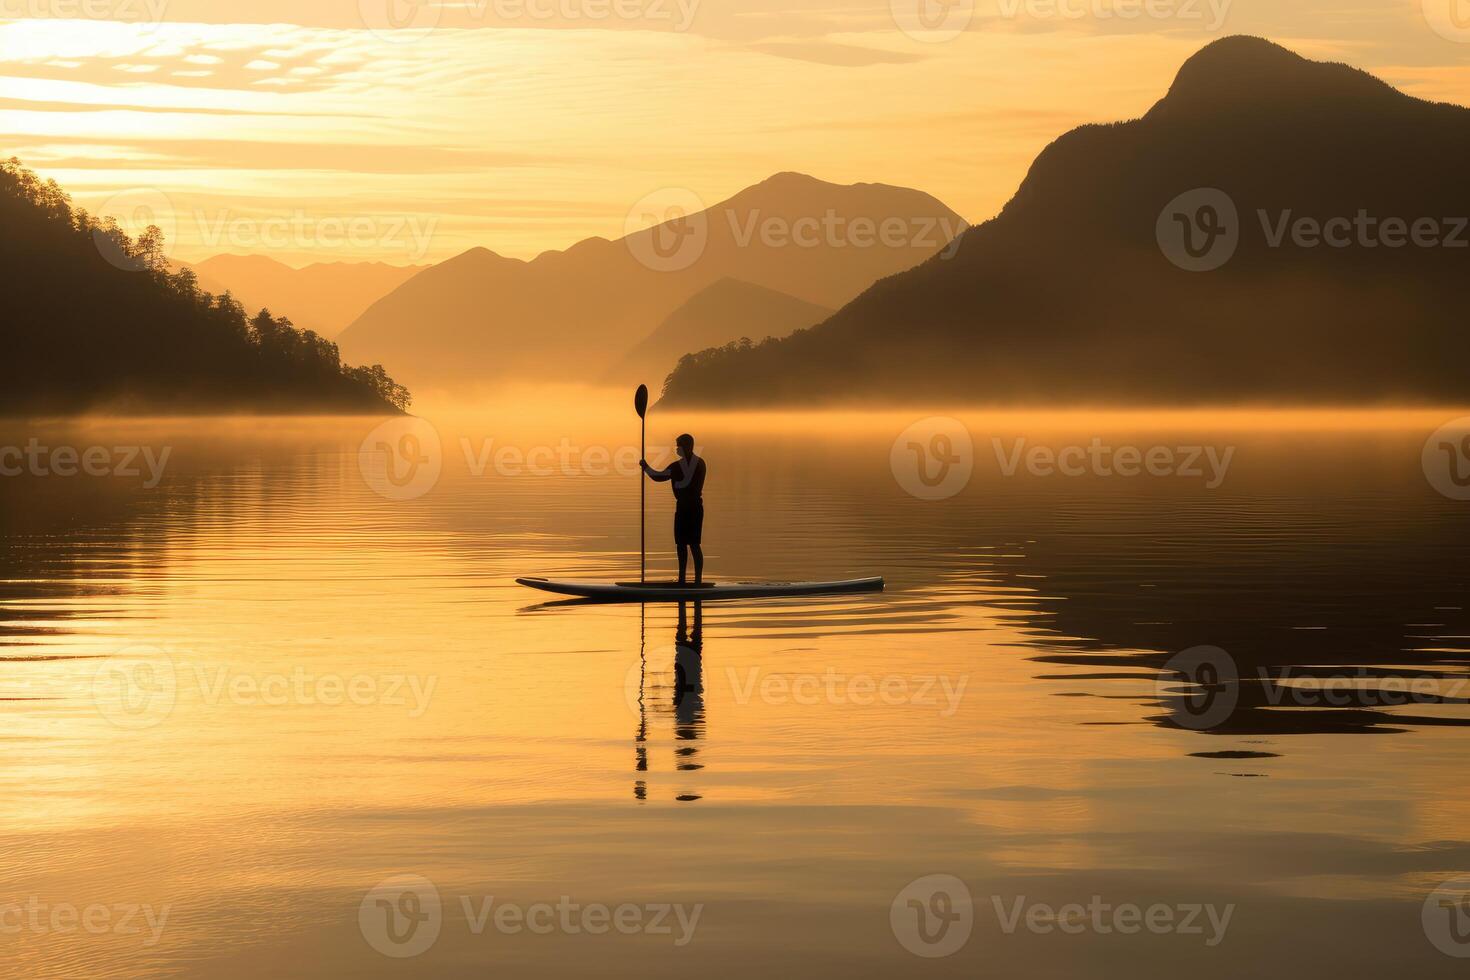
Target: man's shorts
{"type": "Point", "coordinates": [688, 525]}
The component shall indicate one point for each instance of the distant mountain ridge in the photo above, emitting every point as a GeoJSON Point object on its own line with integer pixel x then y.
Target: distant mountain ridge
{"type": "Point", "coordinates": [577, 313]}
{"type": "Point", "coordinates": [1078, 291]}
{"type": "Point", "coordinates": [725, 311]}
{"type": "Point", "coordinates": [322, 296]}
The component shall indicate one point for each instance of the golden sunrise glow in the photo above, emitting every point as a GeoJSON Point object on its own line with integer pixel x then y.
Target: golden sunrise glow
{"type": "Point", "coordinates": [529, 134]}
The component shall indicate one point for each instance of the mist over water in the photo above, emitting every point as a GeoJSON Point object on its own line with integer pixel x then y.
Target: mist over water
{"type": "Point", "coordinates": [244, 696]}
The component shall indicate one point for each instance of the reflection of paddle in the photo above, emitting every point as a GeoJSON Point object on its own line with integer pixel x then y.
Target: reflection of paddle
{"type": "Point", "coordinates": [640, 405]}
{"type": "Point", "coordinates": [640, 749]}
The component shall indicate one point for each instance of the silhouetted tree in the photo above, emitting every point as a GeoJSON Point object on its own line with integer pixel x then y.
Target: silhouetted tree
{"type": "Point", "coordinates": [92, 316]}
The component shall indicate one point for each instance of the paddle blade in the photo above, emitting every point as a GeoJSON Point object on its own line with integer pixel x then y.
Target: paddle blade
{"type": "Point", "coordinates": [640, 401]}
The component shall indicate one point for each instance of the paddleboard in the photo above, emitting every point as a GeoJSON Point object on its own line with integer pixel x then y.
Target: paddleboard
{"type": "Point", "coordinates": [674, 592]}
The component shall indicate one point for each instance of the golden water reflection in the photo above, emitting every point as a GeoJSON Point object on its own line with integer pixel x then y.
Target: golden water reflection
{"type": "Point", "coordinates": [255, 691]}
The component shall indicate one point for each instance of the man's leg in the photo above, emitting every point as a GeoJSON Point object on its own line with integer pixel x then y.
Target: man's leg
{"type": "Point", "coordinates": [698, 563]}
{"type": "Point", "coordinates": [684, 562]}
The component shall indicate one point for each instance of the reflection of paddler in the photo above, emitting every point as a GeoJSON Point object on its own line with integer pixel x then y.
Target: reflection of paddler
{"type": "Point", "coordinates": [689, 674]}
{"type": "Point", "coordinates": [688, 692]}
{"type": "Point", "coordinates": [687, 705]}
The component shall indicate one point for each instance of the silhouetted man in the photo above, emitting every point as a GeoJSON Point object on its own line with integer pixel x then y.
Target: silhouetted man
{"type": "Point", "coordinates": [687, 475]}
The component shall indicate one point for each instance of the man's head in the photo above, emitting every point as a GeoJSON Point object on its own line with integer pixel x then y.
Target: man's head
{"type": "Point", "coordinates": [686, 445]}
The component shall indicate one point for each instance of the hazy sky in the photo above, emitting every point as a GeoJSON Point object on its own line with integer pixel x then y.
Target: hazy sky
{"type": "Point", "coordinates": [317, 129]}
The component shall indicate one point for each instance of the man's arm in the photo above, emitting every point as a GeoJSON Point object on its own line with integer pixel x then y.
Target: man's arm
{"type": "Point", "coordinates": [657, 476]}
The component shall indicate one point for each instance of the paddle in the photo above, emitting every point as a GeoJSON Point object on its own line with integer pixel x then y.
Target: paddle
{"type": "Point", "coordinates": [640, 405]}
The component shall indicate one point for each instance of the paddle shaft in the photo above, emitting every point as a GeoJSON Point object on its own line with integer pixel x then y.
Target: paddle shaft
{"type": "Point", "coordinates": [640, 405]}
{"type": "Point", "coordinates": [642, 502]}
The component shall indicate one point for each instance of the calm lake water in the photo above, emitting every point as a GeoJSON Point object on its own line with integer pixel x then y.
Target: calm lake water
{"type": "Point", "coordinates": [275, 717]}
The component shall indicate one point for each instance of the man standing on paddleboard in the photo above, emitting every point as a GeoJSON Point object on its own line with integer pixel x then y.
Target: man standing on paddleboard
{"type": "Point", "coordinates": [687, 476]}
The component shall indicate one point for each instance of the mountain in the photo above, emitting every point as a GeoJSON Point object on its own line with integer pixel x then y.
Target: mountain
{"type": "Point", "coordinates": [574, 313]}
{"type": "Point", "coordinates": [95, 320]}
{"type": "Point", "coordinates": [324, 296]}
{"type": "Point", "coordinates": [725, 311]}
{"type": "Point", "coordinates": [1085, 289]}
